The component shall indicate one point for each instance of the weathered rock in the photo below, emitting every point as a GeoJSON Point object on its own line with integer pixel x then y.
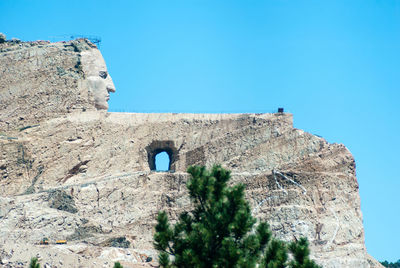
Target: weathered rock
{"type": "Point", "coordinates": [84, 232]}
{"type": "Point", "coordinates": [55, 137]}
{"type": "Point", "coordinates": [117, 242]}
{"type": "Point", "coordinates": [60, 200]}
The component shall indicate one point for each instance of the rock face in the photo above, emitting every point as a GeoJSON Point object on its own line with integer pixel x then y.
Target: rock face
{"type": "Point", "coordinates": [70, 170]}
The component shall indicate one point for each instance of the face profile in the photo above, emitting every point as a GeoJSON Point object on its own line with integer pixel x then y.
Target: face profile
{"type": "Point", "coordinates": [99, 81]}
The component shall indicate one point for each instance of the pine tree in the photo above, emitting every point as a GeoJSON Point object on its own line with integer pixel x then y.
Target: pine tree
{"type": "Point", "coordinates": [118, 265]}
{"type": "Point", "coordinates": [391, 264]}
{"type": "Point", "coordinates": [300, 254]}
{"type": "Point", "coordinates": [220, 231]}
{"type": "Point", "coordinates": [34, 263]}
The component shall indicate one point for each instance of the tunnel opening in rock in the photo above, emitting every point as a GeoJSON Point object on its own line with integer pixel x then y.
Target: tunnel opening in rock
{"type": "Point", "coordinates": [162, 155]}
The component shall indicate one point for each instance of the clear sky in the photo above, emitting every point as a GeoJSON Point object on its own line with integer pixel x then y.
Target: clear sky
{"type": "Point", "coordinates": [334, 64]}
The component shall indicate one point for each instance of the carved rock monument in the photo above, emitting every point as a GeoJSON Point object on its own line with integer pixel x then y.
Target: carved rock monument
{"type": "Point", "coordinates": [69, 170]}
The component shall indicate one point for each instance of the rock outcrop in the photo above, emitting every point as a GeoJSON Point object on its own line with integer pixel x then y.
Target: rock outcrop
{"type": "Point", "coordinates": [70, 170]}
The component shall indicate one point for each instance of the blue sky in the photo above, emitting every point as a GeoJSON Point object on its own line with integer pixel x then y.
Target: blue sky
{"type": "Point", "coordinates": [334, 64]}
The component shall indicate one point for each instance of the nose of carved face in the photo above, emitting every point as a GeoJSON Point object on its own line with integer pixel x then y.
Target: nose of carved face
{"type": "Point", "coordinates": [110, 85]}
{"type": "Point", "coordinates": [110, 89]}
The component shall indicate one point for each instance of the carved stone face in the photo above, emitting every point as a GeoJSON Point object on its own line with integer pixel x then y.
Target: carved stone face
{"type": "Point", "coordinates": [98, 79]}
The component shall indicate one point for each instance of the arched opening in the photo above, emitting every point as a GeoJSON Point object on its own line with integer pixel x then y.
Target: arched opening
{"type": "Point", "coordinates": [162, 161]}
{"type": "Point", "coordinates": [166, 151]}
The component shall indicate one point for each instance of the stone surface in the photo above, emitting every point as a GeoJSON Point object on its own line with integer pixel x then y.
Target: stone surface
{"type": "Point", "coordinates": [54, 139]}
{"type": "Point", "coordinates": [60, 200]}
